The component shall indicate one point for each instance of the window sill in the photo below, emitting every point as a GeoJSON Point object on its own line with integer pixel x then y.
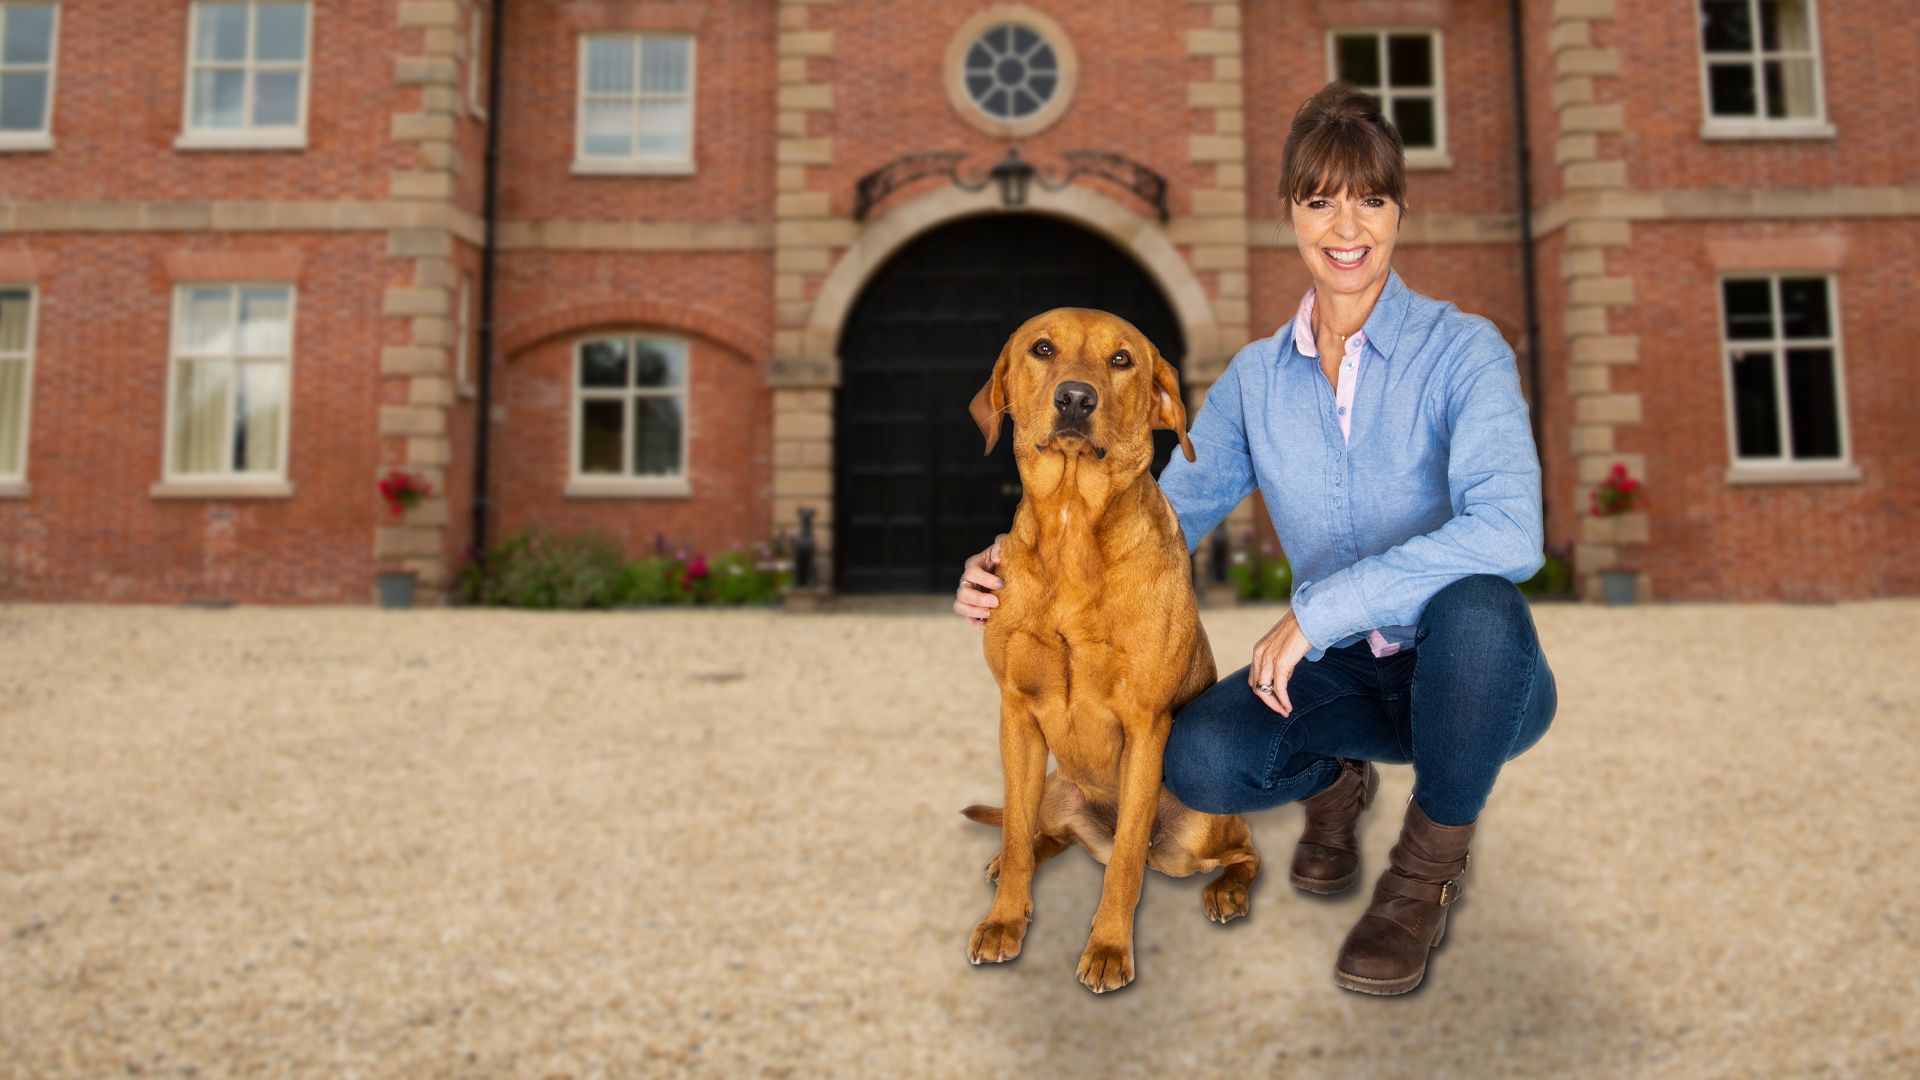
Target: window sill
{"type": "Point", "coordinates": [222, 489]}
{"type": "Point", "coordinates": [591, 167]}
{"type": "Point", "coordinates": [1429, 159]}
{"type": "Point", "coordinates": [1834, 473]}
{"type": "Point", "coordinates": [628, 489]}
{"type": "Point", "coordinates": [1767, 129]}
{"type": "Point", "coordinates": [14, 489]}
{"type": "Point", "coordinates": [273, 140]}
{"type": "Point", "coordinates": [25, 142]}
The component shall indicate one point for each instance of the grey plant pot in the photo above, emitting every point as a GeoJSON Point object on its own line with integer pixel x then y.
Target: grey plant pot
{"type": "Point", "coordinates": [1619, 586]}
{"type": "Point", "coordinates": [396, 589]}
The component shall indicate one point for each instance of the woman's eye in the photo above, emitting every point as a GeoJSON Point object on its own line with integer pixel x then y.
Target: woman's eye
{"type": "Point", "coordinates": [1376, 203]}
{"type": "Point", "coordinates": [1042, 349]}
{"type": "Point", "coordinates": [1121, 359]}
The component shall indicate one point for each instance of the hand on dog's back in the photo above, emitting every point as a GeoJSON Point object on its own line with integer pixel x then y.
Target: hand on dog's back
{"type": "Point", "coordinates": [974, 598]}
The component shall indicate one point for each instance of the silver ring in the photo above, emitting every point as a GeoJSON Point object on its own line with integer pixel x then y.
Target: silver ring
{"type": "Point", "coordinates": [1266, 688]}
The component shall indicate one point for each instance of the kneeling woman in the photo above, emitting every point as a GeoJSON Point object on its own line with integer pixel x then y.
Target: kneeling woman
{"type": "Point", "coordinates": [1387, 434]}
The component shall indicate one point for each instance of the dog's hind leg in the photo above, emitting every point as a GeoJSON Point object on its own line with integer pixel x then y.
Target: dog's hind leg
{"type": "Point", "coordinates": [1060, 807]}
{"type": "Point", "coordinates": [1225, 897]}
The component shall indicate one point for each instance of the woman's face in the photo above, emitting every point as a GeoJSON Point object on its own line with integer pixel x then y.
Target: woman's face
{"type": "Point", "coordinates": [1346, 240]}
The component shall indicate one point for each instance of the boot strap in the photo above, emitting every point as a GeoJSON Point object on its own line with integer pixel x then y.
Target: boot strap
{"type": "Point", "coordinates": [1443, 894]}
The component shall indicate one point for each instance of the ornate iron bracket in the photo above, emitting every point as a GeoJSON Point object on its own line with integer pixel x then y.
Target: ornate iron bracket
{"type": "Point", "coordinates": [1012, 174]}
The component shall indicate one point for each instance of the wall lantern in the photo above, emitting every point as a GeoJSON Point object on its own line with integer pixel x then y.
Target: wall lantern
{"type": "Point", "coordinates": [1012, 174]}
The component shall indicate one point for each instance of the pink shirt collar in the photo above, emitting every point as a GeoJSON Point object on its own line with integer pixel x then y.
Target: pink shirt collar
{"type": "Point", "coordinates": [1303, 330]}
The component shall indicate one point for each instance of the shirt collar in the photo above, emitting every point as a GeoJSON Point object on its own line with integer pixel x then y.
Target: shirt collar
{"type": "Point", "coordinates": [1381, 329]}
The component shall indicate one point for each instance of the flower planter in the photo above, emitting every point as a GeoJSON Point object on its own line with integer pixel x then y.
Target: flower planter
{"type": "Point", "coordinates": [396, 589]}
{"type": "Point", "coordinates": [1619, 586]}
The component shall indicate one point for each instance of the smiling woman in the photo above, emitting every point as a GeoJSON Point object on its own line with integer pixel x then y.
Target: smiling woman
{"type": "Point", "coordinates": [1387, 435]}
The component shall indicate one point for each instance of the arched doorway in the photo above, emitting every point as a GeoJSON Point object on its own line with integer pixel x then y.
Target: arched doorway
{"type": "Point", "coordinates": [913, 496]}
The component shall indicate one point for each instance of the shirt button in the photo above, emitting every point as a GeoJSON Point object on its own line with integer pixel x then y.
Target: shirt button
{"type": "Point", "coordinates": [1343, 410]}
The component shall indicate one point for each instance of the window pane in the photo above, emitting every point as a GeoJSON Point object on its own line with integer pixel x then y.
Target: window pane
{"type": "Point", "coordinates": [1813, 408]}
{"type": "Point", "coordinates": [13, 321]}
{"type": "Point", "coordinates": [1785, 24]}
{"type": "Point", "coordinates": [206, 321]}
{"type": "Point", "coordinates": [218, 97]}
{"type": "Point", "coordinates": [656, 445]}
{"type": "Point", "coordinates": [1725, 26]}
{"type": "Point", "coordinates": [280, 32]}
{"type": "Point", "coordinates": [1024, 40]}
{"type": "Point", "coordinates": [603, 364]}
{"type": "Point", "coordinates": [600, 423]}
{"type": "Point", "coordinates": [1790, 90]}
{"type": "Point", "coordinates": [200, 416]}
{"type": "Point", "coordinates": [264, 329]}
{"type": "Point", "coordinates": [1414, 118]}
{"type": "Point", "coordinates": [276, 99]}
{"type": "Point", "coordinates": [998, 103]}
{"type": "Point", "coordinates": [1359, 58]}
{"type": "Point", "coordinates": [1755, 409]}
{"type": "Point", "coordinates": [609, 129]}
{"type": "Point", "coordinates": [978, 58]}
{"type": "Point", "coordinates": [259, 405]}
{"type": "Point", "coordinates": [1749, 307]}
{"type": "Point", "coordinates": [1409, 60]}
{"type": "Point", "coordinates": [660, 364]}
{"type": "Point", "coordinates": [221, 32]}
{"type": "Point", "coordinates": [13, 413]}
{"type": "Point", "coordinates": [1730, 89]}
{"type": "Point", "coordinates": [1043, 60]}
{"type": "Point", "coordinates": [23, 101]}
{"type": "Point", "coordinates": [1803, 308]}
{"type": "Point", "coordinates": [665, 128]}
{"type": "Point", "coordinates": [663, 64]}
{"type": "Point", "coordinates": [609, 65]}
{"type": "Point", "coordinates": [29, 34]}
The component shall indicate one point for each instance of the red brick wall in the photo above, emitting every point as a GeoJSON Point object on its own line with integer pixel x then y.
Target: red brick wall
{"type": "Point", "coordinates": [91, 530]}
{"type": "Point", "coordinates": [733, 115]}
{"type": "Point", "coordinates": [1809, 541]}
{"type": "Point", "coordinates": [557, 298]}
{"type": "Point", "coordinates": [119, 103]}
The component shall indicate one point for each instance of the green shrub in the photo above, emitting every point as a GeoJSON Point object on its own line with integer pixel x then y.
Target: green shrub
{"type": "Point", "coordinates": [654, 581]}
{"type": "Point", "coordinates": [734, 578]}
{"type": "Point", "coordinates": [537, 569]}
{"type": "Point", "coordinates": [1555, 578]}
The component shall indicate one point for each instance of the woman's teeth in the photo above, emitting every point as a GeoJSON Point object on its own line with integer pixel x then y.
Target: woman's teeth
{"type": "Point", "coordinates": [1347, 258]}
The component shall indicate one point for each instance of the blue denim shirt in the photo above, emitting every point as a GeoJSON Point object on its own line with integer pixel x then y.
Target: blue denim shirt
{"type": "Point", "coordinates": [1440, 479]}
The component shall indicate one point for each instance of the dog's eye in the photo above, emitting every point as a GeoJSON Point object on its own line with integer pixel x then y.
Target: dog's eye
{"type": "Point", "coordinates": [1122, 359]}
{"type": "Point", "coordinates": [1042, 349]}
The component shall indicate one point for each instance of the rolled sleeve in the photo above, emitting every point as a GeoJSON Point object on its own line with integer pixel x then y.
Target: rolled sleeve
{"type": "Point", "coordinates": [1203, 491]}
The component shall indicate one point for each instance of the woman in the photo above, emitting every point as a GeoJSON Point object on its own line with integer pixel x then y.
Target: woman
{"type": "Point", "coordinates": [1387, 434]}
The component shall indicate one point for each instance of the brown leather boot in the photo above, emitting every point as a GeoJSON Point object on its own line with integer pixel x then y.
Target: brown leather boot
{"type": "Point", "coordinates": [1327, 858]}
{"type": "Point", "coordinates": [1386, 951]}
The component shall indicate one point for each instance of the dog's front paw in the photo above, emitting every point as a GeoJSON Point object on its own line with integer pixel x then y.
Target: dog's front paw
{"type": "Point", "coordinates": [996, 941]}
{"type": "Point", "coordinates": [1106, 967]}
{"type": "Point", "coordinates": [1225, 897]}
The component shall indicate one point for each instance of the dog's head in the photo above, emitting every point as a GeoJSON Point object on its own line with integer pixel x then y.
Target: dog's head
{"type": "Point", "coordinates": [1080, 381]}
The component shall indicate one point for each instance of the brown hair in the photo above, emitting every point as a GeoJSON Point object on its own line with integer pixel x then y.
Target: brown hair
{"type": "Point", "coordinates": [1339, 141]}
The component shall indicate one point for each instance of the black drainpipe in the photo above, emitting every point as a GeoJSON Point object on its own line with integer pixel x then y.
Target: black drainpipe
{"type": "Point", "coordinates": [1525, 153]}
{"type": "Point", "coordinates": [483, 410]}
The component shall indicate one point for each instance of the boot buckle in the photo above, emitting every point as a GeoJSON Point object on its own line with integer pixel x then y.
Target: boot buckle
{"type": "Point", "coordinates": [1449, 891]}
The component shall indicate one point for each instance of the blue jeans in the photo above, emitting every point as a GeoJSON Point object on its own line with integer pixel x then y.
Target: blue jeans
{"type": "Point", "coordinates": [1472, 692]}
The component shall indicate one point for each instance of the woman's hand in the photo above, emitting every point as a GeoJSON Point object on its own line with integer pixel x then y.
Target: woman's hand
{"type": "Point", "coordinates": [974, 598]}
{"type": "Point", "coordinates": [1274, 658]}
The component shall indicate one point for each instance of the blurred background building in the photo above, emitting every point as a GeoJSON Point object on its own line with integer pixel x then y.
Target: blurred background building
{"type": "Point", "coordinates": [701, 264]}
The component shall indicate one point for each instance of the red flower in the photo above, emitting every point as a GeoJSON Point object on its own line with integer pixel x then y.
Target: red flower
{"type": "Point", "coordinates": [697, 567]}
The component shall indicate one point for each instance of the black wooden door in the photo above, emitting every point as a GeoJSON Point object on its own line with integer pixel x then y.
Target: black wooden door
{"type": "Point", "coordinates": [913, 494]}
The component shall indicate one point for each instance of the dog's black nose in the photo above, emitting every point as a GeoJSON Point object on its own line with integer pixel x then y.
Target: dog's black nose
{"type": "Point", "coordinates": [1075, 400]}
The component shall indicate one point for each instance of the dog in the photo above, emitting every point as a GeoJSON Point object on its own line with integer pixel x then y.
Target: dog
{"type": "Point", "coordinates": [1097, 640]}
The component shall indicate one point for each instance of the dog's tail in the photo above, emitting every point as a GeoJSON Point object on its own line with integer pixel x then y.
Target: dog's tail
{"type": "Point", "coordinates": [986, 815]}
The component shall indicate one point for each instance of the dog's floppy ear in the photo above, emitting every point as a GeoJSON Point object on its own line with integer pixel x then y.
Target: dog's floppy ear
{"type": "Point", "coordinates": [1170, 411]}
{"type": "Point", "coordinates": [990, 404]}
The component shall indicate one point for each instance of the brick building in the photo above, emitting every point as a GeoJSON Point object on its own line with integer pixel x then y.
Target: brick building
{"type": "Point", "coordinates": [244, 254]}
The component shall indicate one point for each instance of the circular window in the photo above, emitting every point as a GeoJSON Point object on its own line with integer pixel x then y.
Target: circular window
{"type": "Point", "coordinates": [1010, 71]}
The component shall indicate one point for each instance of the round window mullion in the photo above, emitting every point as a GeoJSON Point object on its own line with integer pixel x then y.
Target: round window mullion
{"type": "Point", "coordinates": [1010, 71]}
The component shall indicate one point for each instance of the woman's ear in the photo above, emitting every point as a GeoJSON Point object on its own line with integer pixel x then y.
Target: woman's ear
{"type": "Point", "coordinates": [1170, 411]}
{"type": "Point", "coordinates": [990, 404]}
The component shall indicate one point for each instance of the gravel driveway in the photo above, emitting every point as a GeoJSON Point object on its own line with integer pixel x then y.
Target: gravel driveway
{"type": "Point", "coordinates": [345, 841]}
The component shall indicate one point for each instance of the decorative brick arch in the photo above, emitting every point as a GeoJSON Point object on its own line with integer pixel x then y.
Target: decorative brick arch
{"type": "Point", "coordinates": [690, 318]}
{"type": "Point", "coordinates": [1140, 237]}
